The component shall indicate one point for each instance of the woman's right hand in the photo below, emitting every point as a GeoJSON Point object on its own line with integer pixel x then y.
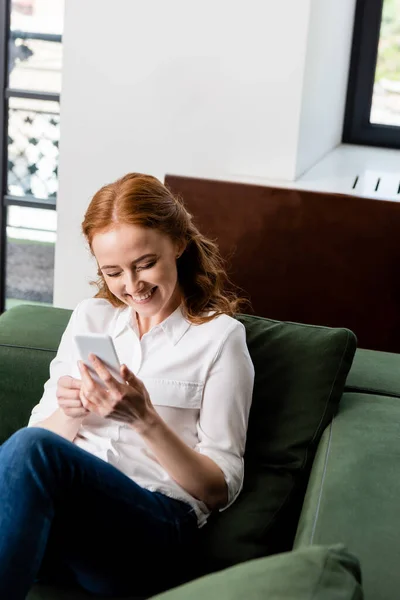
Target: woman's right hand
{"type": "Point", "coordinates": [68, 390]}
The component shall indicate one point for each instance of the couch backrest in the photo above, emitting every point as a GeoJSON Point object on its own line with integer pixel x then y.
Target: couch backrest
{"type": "Point", "coordinates": [29, 337]}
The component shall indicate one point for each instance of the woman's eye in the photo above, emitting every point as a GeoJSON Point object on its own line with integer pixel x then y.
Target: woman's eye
{"type": "Point", "coordinates": [148, 266]}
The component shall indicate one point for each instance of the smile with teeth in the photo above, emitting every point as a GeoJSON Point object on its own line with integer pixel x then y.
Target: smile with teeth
{"type": "Point", "coordinates": [144, 297]}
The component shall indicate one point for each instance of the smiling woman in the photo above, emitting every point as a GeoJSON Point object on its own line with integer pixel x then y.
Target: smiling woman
{"type": "Point", "coordinates": [148, 457]}
{"type": "Point", "coordinates": [165, 228]}
{"type": "Point", "coordinates": [138, 265]}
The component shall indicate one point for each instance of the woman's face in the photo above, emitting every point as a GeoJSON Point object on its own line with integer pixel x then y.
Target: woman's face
{"type": "Point", "coordinates": [139, 266]}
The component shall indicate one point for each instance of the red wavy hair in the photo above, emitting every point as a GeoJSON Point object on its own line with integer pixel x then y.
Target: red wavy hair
{"type": "Point", "coordinates": [139, 199]}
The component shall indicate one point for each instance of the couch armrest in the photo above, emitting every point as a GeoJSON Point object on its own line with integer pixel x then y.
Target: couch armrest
{"type": "Point", "coordinates": [354, 489]}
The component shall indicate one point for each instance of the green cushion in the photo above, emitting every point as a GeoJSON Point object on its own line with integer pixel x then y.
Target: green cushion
{"type": "Point", "coordinates": [29, 337]}
{"type": "Point", "coordinates": [300, 375]}
{"type": "Point", "coordinates": [354, 490]}
{"type": "Point", "coordinates": [314, 573]}
{"type": "Point", "coordinates": [33, 326]}
{"type": "Point", "coordinates": [375, 372]}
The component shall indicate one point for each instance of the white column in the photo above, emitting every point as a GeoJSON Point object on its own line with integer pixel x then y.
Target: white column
{"type": "Point", "coordinates": [324, 86]}
{"type": "Point", "coordinates": [218, 88]}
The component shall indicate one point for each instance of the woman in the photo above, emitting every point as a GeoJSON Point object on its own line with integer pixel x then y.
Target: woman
{"type": "Point", "coordinates": [140, 464]}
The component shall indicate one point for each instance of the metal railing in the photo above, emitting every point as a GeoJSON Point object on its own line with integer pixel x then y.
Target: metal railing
{"type": "Point", "coordinates": [32, 166]}
{"type": "Point", "coordinates": [31, 35]}
{"type": "Point", "coordinates": [30, 137]}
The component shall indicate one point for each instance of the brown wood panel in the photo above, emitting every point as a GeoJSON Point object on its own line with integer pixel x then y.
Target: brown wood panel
{"type": "Point", "coordinates": [308, 257]}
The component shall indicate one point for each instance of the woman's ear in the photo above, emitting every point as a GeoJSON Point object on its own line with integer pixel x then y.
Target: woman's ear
{"type": "Point", "coordinates": [180, 248]}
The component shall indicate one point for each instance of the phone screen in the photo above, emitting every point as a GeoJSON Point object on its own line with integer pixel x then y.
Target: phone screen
{"type": "Point", "coordinates": [102, 346]}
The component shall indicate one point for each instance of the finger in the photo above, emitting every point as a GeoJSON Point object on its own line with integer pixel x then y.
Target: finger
{"type": "Point", "coordinates": [70, 382]}
{"type": "Point", "coordinates": [100, 408]}
{"type": "Point", "coordinates": [128, 375]}
{"type": "Point", "coordinates": [87, 403]}
{"type": "Point", "coordinates": [91, 390]}
{"type": "Point", "coordinates": [76, 412]}
{"type": "Point", "coordinates": [94, 395]}
{"type": "Point", "coordinates": [67, 403]}
{"type": "Point", "coordinates": [87, 380]}
{"type": "Point", "coordinates": [104, 374]}
{"type": "Point", "coordinates": [67, 393]}
{"type": "Point", "coordinates": [124, 372]}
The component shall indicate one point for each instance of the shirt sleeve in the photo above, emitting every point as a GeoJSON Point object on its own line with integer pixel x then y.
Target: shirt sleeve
{"type": "Point", "coordinates": [59, 366]}
{"type": "Point", "coordinates": [223, 420]}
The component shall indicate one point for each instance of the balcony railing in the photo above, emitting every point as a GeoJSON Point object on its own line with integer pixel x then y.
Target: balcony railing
{"type": "Point", "coordinates": [33, 138]}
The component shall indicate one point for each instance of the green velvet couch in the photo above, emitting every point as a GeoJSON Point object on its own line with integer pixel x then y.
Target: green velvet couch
{"type": "Point", "coordinates": [319, 513]}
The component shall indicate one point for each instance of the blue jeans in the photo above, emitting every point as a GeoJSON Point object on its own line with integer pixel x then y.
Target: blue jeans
{"type": "Point", "coordinates": [68, 517]}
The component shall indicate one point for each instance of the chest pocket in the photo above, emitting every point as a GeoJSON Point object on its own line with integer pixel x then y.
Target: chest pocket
{"type": "Point", "coordinates": [174, 393]}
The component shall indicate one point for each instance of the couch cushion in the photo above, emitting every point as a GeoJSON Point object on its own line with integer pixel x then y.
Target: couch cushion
{"type": "Point", "coordinates": [300, 375]}
{"type": "Point", "coordinates": [375, 372]}
{"type": "Point", "coordinates": [354, 489]}
{"type": "Point", "coordinates": [315, 573]}
{"type": "Point", "coordinates": [29, 337]}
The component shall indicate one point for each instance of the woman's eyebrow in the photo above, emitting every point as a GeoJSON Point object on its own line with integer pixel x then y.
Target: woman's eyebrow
{"type": "Point", "coordinates": [133, 262]}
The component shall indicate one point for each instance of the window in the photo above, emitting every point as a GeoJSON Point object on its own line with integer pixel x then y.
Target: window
{"type": "Point", "coordinates": [31, 52]}
{"type": "Point", "coordinates": [373, 99]}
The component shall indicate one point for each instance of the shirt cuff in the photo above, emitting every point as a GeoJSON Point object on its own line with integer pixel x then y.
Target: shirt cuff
{"type": "Point", "coordinates": [233, 470]}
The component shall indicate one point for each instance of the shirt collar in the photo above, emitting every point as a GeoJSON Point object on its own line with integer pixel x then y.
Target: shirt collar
{"type": "Point", "coordinates": [174, 326]}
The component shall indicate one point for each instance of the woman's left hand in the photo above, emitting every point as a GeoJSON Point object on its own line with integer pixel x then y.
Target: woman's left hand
{"type": "Point", "coordinates": [128, 402]}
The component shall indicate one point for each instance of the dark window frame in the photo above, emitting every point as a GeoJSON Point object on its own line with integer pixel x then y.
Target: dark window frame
{"type": "Point", "coordinates": [357, 127]}
{"type": "Point", "coordinates": [7, 93]}
{"type": "Point", "coordinates": [4, 36]}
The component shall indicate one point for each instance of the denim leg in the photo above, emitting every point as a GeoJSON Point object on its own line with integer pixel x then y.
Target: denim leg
{"type": "Point", "coordinates": [62, 506]}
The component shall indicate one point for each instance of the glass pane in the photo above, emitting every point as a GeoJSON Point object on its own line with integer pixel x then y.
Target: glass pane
{"type": "Point", "coordinates": [33, 136]}
{"type": "Point", "coordinates": [386, 97]}
{"type": "Point", "coordinates": [31, 236]}
{"type": "Point", "coordinates": [35, 49]}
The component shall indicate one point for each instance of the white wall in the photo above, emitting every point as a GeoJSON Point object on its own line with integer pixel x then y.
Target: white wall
{"type": "Point", "coordinates": [216, 88]}
{"type": "Point", "coordinates": [325, 80]}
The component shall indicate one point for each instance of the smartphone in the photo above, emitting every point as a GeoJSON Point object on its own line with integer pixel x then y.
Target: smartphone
{"type": "Point", "coordinates": [102, 346]}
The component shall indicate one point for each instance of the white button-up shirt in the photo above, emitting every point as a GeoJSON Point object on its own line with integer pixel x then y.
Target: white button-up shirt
{"type": "Point", "coordinates": [199, 378]}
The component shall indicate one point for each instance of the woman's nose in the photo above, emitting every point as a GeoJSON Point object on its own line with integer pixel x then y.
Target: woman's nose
{"type": "Point", "coordinates": [131, 283]}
